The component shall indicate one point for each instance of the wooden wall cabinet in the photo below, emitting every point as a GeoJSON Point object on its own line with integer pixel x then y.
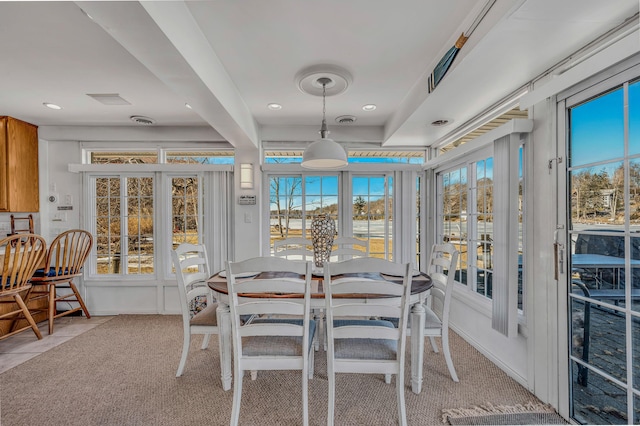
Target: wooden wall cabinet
{"type": "Point", "coordinates": [18, 166]}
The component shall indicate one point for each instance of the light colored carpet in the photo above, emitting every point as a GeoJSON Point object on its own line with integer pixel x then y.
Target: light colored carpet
{"type": "Point", "coordinates": [123, 373]}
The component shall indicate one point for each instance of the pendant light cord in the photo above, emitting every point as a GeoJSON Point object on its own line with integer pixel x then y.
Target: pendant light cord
{"type": "Point", "coordinates": [323, 128]}
{"type": "Point", "coordinates": [324, 100]}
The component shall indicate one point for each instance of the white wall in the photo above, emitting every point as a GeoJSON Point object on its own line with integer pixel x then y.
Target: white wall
{"type": "Point", "coordinates": [247, 221]}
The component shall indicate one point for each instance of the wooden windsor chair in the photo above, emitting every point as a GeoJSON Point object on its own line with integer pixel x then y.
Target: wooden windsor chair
{"type": "Point", "coordinates": [65, 258]}
{"type": "Point", "coordinates": [20, 256]}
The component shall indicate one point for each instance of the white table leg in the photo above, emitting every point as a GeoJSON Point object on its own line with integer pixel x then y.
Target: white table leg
{"type": "Point", "coordinates": [224, 339]}
{"type": "Point", "coordinates": [417, 346]}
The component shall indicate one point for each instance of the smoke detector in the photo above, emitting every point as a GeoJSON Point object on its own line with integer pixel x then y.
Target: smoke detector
{"type": "Point", "coordinates": [145, 121]}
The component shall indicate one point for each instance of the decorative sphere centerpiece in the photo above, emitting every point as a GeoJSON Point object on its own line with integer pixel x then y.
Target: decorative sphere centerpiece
{"type": "Point", "coordinates": [323, 229]}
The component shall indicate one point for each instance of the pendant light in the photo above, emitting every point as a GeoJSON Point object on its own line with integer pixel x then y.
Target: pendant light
{"type": "Point", "coordinates": [324, 153]}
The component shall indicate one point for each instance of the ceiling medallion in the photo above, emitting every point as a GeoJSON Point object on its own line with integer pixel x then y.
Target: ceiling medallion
{"type": "Point", "coordinates": [309, 80]}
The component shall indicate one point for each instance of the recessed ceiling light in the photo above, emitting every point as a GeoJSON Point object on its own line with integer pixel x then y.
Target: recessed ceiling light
{"type": "Point", "coordinates": [441, 122]}
{"type": "Point", "coordinates": [188, 106]}
{"type": "Point", "coordinates": [369, 107]}
{"type": "Point", "coordinates": [52, 106]}
{"type": "Point", "coordinates": [274, 107]}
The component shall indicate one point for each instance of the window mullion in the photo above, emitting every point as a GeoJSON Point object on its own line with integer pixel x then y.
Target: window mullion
{"type": "Point", "coordinates": [124, 259]}
{"type": "Point", "coordinates": [472, 229]}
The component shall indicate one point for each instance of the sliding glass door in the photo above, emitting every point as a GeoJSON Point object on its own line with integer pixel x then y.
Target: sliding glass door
{"type": "Point", "coordinates": [602, 134]}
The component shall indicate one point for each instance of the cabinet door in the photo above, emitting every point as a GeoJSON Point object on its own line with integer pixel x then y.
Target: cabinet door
{"type": "Point", "coordinates": [22, 166]}
{"type": "Point", "coordinates": [4, 199]}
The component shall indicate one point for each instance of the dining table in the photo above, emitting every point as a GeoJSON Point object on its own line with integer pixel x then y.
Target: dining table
{"type": "Point", "coordinates": [420, 289]}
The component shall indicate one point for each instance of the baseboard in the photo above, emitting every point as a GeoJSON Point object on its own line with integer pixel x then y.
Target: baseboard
{"type": "Point", "coordinates": [487, 353]}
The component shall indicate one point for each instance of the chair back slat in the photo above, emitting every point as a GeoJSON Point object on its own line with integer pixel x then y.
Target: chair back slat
{"type": "Point", "coordinates": [294, 248]}
{"type": "Point", "coordinates": [375, 309]}
{"type": "Point", "coordinates": [270, 307]}
{"type": "Point", "coordinates": [378, 287]}
{"type": "Point", "coordinates": [372, 332]}
{"type": "Point", "coordinates": [280, 285]}
{"type": "Point", "coordinates": [345, 248]}
{"type": "Point", "coordinates": [271, 329]}
{"type": "Point", "coordinates": [68, 252]}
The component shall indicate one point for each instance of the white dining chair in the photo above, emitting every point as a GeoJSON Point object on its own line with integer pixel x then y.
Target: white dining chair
{"type": "Point", "coordinates": [281, 338]}
{"type": "Point", "coordinates": [191, 265]}
{"type": "Point", "coordinates": [357, 344]}
{"type": "Point", "coordinates": [294, 248]}
{"type": "Point", "coordinates": [442, 267]}
{"type": "Point", "coordinates": [345, 248]}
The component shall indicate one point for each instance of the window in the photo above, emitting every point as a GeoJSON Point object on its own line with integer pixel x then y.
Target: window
{"type": "Point", "coordinates": [452, 216]}
{"type": "Point", "coordinates": [160, 156]}
{"type": "Point", "coordinates": [286, 210]}
{"type": "Point", "coordinates": [469, 225]}
{"type": "Point", "coordinates": [273, 156]}
{"type": "Point", "coordinates": [479, 210]}
{"type": "Point", "coordinates": [521, 234]}
{"type": "Point", "coordinates": [123, 157]}
{"type": "Point", "coordinates": [199, 157]}
{"type": "Point", "coordinates": [185, 210]}
{"type": "Point", "coordinates": [372, 201]}
{"type": "Point", "coordinates": [482, 219]}
{"type": "Point", "coordinates": [291, 217]}
{"type": "Point", "coordinates": [419, 212]}
{"type": "Point", "coordinates": [295, 199]}
{"type": "Point", "coordinates": [123, 222]}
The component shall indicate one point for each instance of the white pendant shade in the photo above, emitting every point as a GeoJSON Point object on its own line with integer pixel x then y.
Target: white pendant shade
{"type": "Point", "coordinates": [324, 154]}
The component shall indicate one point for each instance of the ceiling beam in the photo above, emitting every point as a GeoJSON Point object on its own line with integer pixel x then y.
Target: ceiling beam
{"type": "Point", "coordinates": [164, 37]}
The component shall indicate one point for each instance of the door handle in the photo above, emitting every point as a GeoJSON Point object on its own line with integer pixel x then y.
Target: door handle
{"type": "Point", "coordinates": [558, 254]}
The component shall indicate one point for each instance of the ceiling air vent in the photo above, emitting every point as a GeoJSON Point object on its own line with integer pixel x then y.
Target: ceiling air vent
{"type": "Point", "coordinates": [439, 123]}
{"type": "Point", "coordinates": [145, 121]}
{"type": "Point", "coordinates": [345, 119]}
{"type": "Point", "coordinates": [109, 98]}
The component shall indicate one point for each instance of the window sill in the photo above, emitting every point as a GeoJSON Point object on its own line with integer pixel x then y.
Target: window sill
{"type": "Point", "coordinates": [475, 301]}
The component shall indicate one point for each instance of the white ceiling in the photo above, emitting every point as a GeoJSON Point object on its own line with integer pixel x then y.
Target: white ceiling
{"type": "Point", "coordinates": [229, 58]}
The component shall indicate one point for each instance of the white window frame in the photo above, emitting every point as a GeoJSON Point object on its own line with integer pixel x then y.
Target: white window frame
{"type": "Point", "coordinates": [92, 273]}
{"type": "Point", "coordinates": [404, 193]}
{"type": "Point", "coordinates": [162, 214]}
{"type": "Point", "coordinates": [504, 143]}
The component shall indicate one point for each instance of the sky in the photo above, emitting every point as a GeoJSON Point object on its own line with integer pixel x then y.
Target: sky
{"type": "Point", "coordinates": [597, 128]}
{"type": "Point", "coordinates": [323, 190]}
